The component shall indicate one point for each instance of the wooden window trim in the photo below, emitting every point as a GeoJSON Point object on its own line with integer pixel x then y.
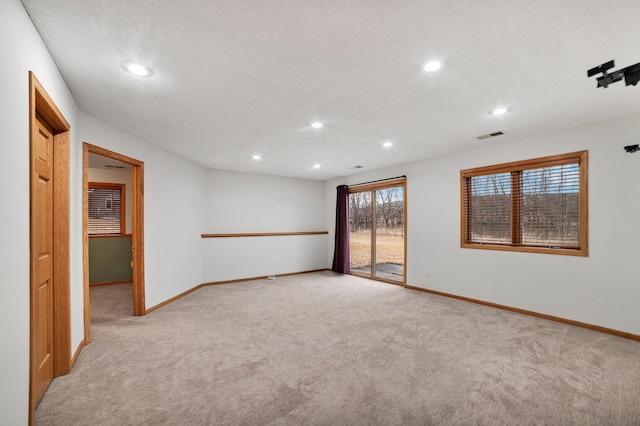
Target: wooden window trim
{"type": "Point", "coordinates": [580, 157]}
{"type": "Point", "coordinates": [123, 205]}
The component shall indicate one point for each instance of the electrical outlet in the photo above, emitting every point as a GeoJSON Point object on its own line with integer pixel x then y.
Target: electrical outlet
{"type": "Point", "coordinates": [427, 273]}
{"type": "Point", "coordinates": [273, 260]}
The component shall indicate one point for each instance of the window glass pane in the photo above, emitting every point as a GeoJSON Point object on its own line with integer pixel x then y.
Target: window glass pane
{"type": "Point", "coordinates": [360, 232]}
{"type": "Point", "coordinates": [550, 214]}
{"type": "Point", "coordinates": [490, 208]}
{"type": "Point", "coordinates": [389, 229]}
{"type": "Point", "coordinates": [104, 211]}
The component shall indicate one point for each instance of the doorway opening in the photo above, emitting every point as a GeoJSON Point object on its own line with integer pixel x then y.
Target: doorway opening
{"type": "Point", "coordinates": [377, 230]}
{"type": "Point", "coordinates": [110, 224]}
{"type": "Point", "coordinates": [104, 219]}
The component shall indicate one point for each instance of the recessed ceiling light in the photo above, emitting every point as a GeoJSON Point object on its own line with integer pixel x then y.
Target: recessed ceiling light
{"type": "Point", "coordinates": [317, 125]}
{"type": "Point", "coordinates": [316, 166]}
{"type": "Point", "coordinates": [387, 144]}
{"type": "Point", "coordinates": [499, 111]}
{"type": "Point", "coordinates": [432, 66]}
{"type": "Point", "coordinates": [138, 69]}
{"type": "Point", "coordinates": [257, 157]}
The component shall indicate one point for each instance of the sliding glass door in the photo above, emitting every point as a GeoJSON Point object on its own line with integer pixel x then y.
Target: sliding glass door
{"type": "Point", "coordinates": [360, 243]}
{"type": "Point", "coordinates": [377, 231]}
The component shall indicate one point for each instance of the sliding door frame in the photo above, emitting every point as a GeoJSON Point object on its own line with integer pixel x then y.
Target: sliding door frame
{"type": "Point", "coordinates": [372, 187]}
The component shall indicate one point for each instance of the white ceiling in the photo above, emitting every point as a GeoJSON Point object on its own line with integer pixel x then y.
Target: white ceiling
{"type": "Point", "coordinates": [239, 77]}
{"type": "Point", "coordinates": [99, 162]}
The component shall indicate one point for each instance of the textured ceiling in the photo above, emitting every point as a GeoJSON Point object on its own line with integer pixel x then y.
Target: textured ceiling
{"type": "Point", "coordinates": [235, 78]}
{"type": "Point", "coordinates": [99, 162]}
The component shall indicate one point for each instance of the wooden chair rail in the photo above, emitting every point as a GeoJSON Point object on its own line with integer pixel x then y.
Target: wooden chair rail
{"type": "Point", "coordinates": [263, 234]}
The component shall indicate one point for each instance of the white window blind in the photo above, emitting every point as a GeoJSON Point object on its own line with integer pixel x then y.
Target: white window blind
{"type": "Point", "coordinates": [539, 203]}
{"type": "Point", "coordinates": [550, 206]}
{"type": "Point", "coordinates": [105, 210]}
{"type": "Point", "coordinates": [490, 208]}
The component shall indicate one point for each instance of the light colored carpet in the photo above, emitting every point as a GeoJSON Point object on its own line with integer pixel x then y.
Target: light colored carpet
{"type": "Point", "coordinates": [325, 349]}
{"type": "Point", "coordinates": [110, 303]}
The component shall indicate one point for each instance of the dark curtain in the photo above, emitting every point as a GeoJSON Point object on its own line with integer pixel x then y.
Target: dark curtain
{"type": "Point", "coordinates": [341, 253]}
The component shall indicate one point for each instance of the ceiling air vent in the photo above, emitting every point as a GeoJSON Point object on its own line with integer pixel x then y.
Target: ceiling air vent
{"type": "Point", "coordinates": [490, 135]}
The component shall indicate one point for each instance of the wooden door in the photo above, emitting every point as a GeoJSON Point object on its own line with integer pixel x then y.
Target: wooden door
{"type": "Point", "coordinates": [42, 365]}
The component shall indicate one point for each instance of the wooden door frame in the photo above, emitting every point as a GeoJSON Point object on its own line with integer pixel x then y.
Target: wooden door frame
{"type": "Point", "coordinates": [137, 229]}
{"type": "Point", "coordinates": [372, 188]}
{"type": "Point", "coordinates": [40, 103]}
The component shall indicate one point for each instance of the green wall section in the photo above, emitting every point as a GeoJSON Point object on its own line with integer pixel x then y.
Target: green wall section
{"type": "Point", "coordinates": [109, 259]}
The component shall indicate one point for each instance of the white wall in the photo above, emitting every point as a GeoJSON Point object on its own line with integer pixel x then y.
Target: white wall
{"type": "Point", "coordinates": [116, 176]}
{"type": "Point", "coordinates": [601, 289]}
{"type": "Point", "coordinates": [176, 196]}
{"type": "Point", "coordinates": [22, 50]}
{"type": "Point", "coordinates": [248, 203]}
{"type": "Point", "coordinates": [183, 200]}
{"type": "Point", "coordinates": [173, 210]}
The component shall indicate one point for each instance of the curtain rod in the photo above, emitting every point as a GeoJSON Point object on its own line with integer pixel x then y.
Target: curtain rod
{"type": "Point", "coordinates": [379, 180]}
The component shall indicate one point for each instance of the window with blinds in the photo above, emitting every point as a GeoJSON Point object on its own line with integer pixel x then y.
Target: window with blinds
{"type": "Point", "coordinates": [537, 205]}
{"type": "Point", "coordinates": [106, 208]}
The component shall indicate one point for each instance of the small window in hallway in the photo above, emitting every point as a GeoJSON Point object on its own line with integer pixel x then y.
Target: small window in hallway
{"type": "Point", "coordinates": [106, 208]}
